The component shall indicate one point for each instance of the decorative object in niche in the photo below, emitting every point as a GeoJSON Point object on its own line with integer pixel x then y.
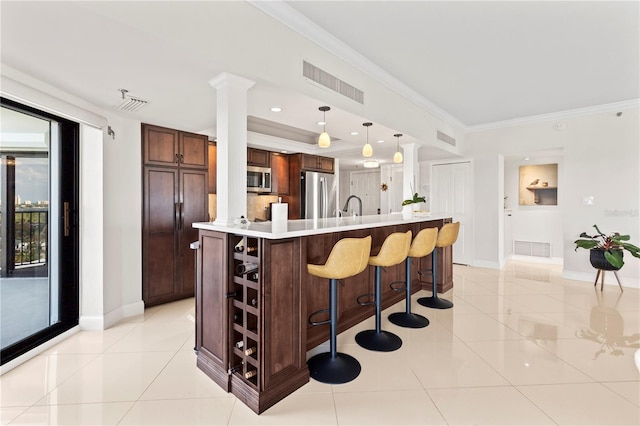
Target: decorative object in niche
{"type": "Point", "coordinates": [538, 185]}
{"type": "Point", "coordinates": [384, 187]}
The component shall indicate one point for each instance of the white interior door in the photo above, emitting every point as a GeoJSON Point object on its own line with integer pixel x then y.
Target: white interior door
{"type": "Point", "coordinates": [366, 185]}
{"type": "Point", "coordinates": [451, 195]}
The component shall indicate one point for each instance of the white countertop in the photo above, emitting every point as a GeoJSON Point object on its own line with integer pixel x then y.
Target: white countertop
{"type": "Point", "coordinates": [305, 227]}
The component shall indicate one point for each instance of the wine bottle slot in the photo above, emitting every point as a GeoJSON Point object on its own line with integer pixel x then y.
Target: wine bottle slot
{"type": "Point", "coordinates": [250, 374]}
{"type": "Point", "coordinates": [252, 249]}
{"type": "Point", "coordinates": [239, 344]}
{"type": "Point", "coordinates": [252, 350]}
{"type": "Point", "coordinates": [239, 247]}
{"type": "Point", "coordinates": [236, 368]}
{"type": "Point", "coordinates": [254, 303]}
{"type": "Point", "coordinates": [245, 268]}
{"type": "Point", "coordinates": [253, 276]}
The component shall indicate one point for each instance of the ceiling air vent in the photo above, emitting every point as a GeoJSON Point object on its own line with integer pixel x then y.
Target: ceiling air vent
{"type": "Point", "coordinates": [446, 138]}
{"type": "Point", "coordinates": [129, 103]}
{"type": "Point", "coordinates": [325, 79]}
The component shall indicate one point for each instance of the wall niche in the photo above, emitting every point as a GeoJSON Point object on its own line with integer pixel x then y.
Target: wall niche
{"type": "Point", "coordinates": [538, 185]}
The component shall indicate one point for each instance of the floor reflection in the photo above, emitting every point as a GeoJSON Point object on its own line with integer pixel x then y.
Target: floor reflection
{"type": "Point", "coordinates": [606, 327]}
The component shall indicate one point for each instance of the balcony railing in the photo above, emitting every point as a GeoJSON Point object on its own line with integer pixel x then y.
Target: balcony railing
{"type": "Point", "coordinates": [31, 241]}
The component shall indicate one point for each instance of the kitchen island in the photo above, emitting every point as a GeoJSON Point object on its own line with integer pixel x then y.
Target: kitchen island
{"type": "Point", "coordinates": [254, 295]}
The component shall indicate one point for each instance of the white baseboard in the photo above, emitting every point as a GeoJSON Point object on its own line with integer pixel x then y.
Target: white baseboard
{"type": "Point", "coordinates": [486, 264]}
{"type": "Point", "coordinates": [97, 322]}
{"type": "Point", "coordinates": [609, 278]}
{"type": "Point", "coordinates": [133, 309]}
{"type": "Point", "coordinates": [38, 350]}
{"type": "Point", "coordinates": [536, 259]}
{"type": "Point", "coordinates": [91, 322]}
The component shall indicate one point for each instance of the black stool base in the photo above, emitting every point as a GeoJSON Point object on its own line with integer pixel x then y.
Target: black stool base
{"type": "Point", "coordinates": [341, 369]}
{"type": "Point", "coordinates": [435, 302]}
{"type": "Point", "coordinates": [383, 341]}
{"type": "Point", "coordinates": [408, 320]}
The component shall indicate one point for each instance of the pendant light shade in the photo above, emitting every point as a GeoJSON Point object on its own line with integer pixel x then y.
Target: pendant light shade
{"type": "Point", "coordinates": [367, 149]}
{"type": "Point", "coordinates": [397, 157]}
{"type": "Point", "coordinates": [324, 140]}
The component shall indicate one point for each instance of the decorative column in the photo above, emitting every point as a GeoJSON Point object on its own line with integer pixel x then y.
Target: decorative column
{"type": "Point", "coordinates": [410, 170]}
{"type": "Point", "coordinates": [231, 137]}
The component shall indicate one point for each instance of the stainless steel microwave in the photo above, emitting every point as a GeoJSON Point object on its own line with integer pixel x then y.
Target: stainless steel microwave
{"type": "Point", "coordinates": [258, 179]}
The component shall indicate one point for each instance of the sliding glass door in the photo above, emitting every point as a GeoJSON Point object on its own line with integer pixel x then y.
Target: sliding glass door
{"type": "Point", "coordinates": [38, 232]}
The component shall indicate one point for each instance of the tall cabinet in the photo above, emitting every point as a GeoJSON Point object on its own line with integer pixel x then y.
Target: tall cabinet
{"type": "Point", "coordinates": [175, 194]}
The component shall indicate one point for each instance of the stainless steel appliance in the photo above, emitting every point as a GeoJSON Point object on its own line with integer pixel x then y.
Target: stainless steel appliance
{"type": "Point", "coordinates": [258, 179]}
{"type": "Point", "coordinates": [318, 197]}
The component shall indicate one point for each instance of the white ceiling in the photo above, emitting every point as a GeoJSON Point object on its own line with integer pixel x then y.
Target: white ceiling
{"type": "Point", "coordinates": [469, 63]}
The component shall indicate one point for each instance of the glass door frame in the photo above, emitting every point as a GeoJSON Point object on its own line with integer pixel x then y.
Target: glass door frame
{"type": "Point", "coordinates": [67, 265]}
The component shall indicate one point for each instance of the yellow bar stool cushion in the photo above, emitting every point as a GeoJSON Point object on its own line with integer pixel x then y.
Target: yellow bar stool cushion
{"type": "Point", "coordinates": [394, 250]}
{"type": "Point", "coordinates": [348, 257]}
{"type": "Point", "coordinates": [448, 234]}
{"type": "Point", "coordinates": [424, 243]}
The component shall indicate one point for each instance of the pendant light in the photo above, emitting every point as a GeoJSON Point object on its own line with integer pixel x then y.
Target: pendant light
{"type": "Point", "coordinates": [397, 157]}
{"type": "Point", "coordinates": [367, 149]}
{"type": "Point", "coordinates": [324, 141]}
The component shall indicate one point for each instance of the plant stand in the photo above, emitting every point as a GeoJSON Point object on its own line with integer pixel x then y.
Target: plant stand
{"type": "Point", "coordinates": [600, 274]}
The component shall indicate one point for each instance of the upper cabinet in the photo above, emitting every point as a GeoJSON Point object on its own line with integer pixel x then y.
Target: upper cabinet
{"type": "Point", "coordinates": [258, 157]}
{"type": "Point", "coordinates": [317, 163]}
{"type": "Point", "coordinates": [279, 174]}
{"type": "Point", "coordinates": [166, 147]}
{"type": "Point", "coordinates": [212, 183]}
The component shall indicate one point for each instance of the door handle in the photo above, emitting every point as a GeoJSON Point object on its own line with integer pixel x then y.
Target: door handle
{"type": "Point", "coordinates": [177, 159]}
{"type": "Point", "coordinates": [66, 218]}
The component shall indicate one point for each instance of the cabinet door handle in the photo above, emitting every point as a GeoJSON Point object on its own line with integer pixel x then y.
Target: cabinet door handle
{"type": "Point", "coordinates": [66, 218]}
{"type": "Point", "coordinates": [177, 159]}
{"type": "Point", "coordinates": [182, 158]}
{"type": "Point", "coordinates": [181, 216]}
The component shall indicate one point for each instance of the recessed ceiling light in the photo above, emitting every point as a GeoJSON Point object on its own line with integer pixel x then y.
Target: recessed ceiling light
{"type": "Point", "coordinates": [526, 158]}
{"type": "Point", "coordinates": [381, 141]}
{"type": "Point", "coordinates": [276, 109]}
{"type": "Point", "coordinates": [354, 133]}
{"type": "Point", "coordinates": [321, 123]}
{"type": "Point", "coordinates": [284, 151]}
{"type": "Point", "coordinates": [371, 164]}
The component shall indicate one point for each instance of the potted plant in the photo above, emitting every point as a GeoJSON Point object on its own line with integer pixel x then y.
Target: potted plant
{"type": "Point", "coordinates": [409, 204]}
{"type": "Point", "coordinates": [606, 251]}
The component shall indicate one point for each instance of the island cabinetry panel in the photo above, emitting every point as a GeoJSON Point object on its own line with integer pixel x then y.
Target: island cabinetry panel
{"type": "Point", "coordinates": [250, 334]}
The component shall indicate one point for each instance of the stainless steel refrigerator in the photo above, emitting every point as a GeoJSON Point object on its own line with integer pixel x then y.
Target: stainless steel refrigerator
{"type": "Point", "coordinates": [318, 197]}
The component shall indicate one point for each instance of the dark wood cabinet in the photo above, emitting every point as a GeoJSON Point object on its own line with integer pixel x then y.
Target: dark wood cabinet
{"type": "Point", "coordinates": [279, 173]}
{"type": "Point", "coordinates": [175, 195]}
{"type": "Point", "coordinates": [316, 163]}
{"type": "Point", "coordinates": [213, 170]}
{"type": "Point", "coordinates": [258, 157]}
{"type": "Point", "coordinates": [169, 147]}
{"type": "Point", "coordinates": [250, 327]}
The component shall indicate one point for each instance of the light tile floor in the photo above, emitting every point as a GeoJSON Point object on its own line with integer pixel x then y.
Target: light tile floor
{"type": "Point", "coordinates": [521, 346]}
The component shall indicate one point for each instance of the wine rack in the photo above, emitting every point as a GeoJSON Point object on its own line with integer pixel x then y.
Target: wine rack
{"type": "Point", "coordinates": [245, 310]}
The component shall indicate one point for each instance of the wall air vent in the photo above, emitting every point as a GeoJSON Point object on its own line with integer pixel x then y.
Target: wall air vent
{"type": "Point", "coordinates": [532, 248]}
{"type": "Point", "coordinates": [129, 103]}
{"type": "Point", "coordinates": [327, 80]}
{"type": "Point", "coordinates": [446, 138]}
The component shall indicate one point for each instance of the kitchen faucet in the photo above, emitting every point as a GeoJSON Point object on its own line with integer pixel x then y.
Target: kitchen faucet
{"type": "Point", "coordinates": [346, 205]}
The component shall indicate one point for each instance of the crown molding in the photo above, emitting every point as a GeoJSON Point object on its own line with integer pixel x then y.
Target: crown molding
{"type": "Point", "coordinates": [597, 109]}
{"type": "Point", "coordinates": [290, 17]}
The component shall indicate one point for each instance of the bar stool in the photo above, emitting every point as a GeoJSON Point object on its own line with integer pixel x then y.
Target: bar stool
{"type": "Point", "coordinates": [447, 236]}
{"type": "Point", "coordinates": [348, 257]}
{"type": "Point", "coordinates": [393, 251]}
{"type": "Point", "coordinates": [422, 245]}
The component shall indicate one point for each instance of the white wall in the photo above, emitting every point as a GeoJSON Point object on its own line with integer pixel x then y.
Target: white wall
{"type": "Point", "coordinates": [601, 159]}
